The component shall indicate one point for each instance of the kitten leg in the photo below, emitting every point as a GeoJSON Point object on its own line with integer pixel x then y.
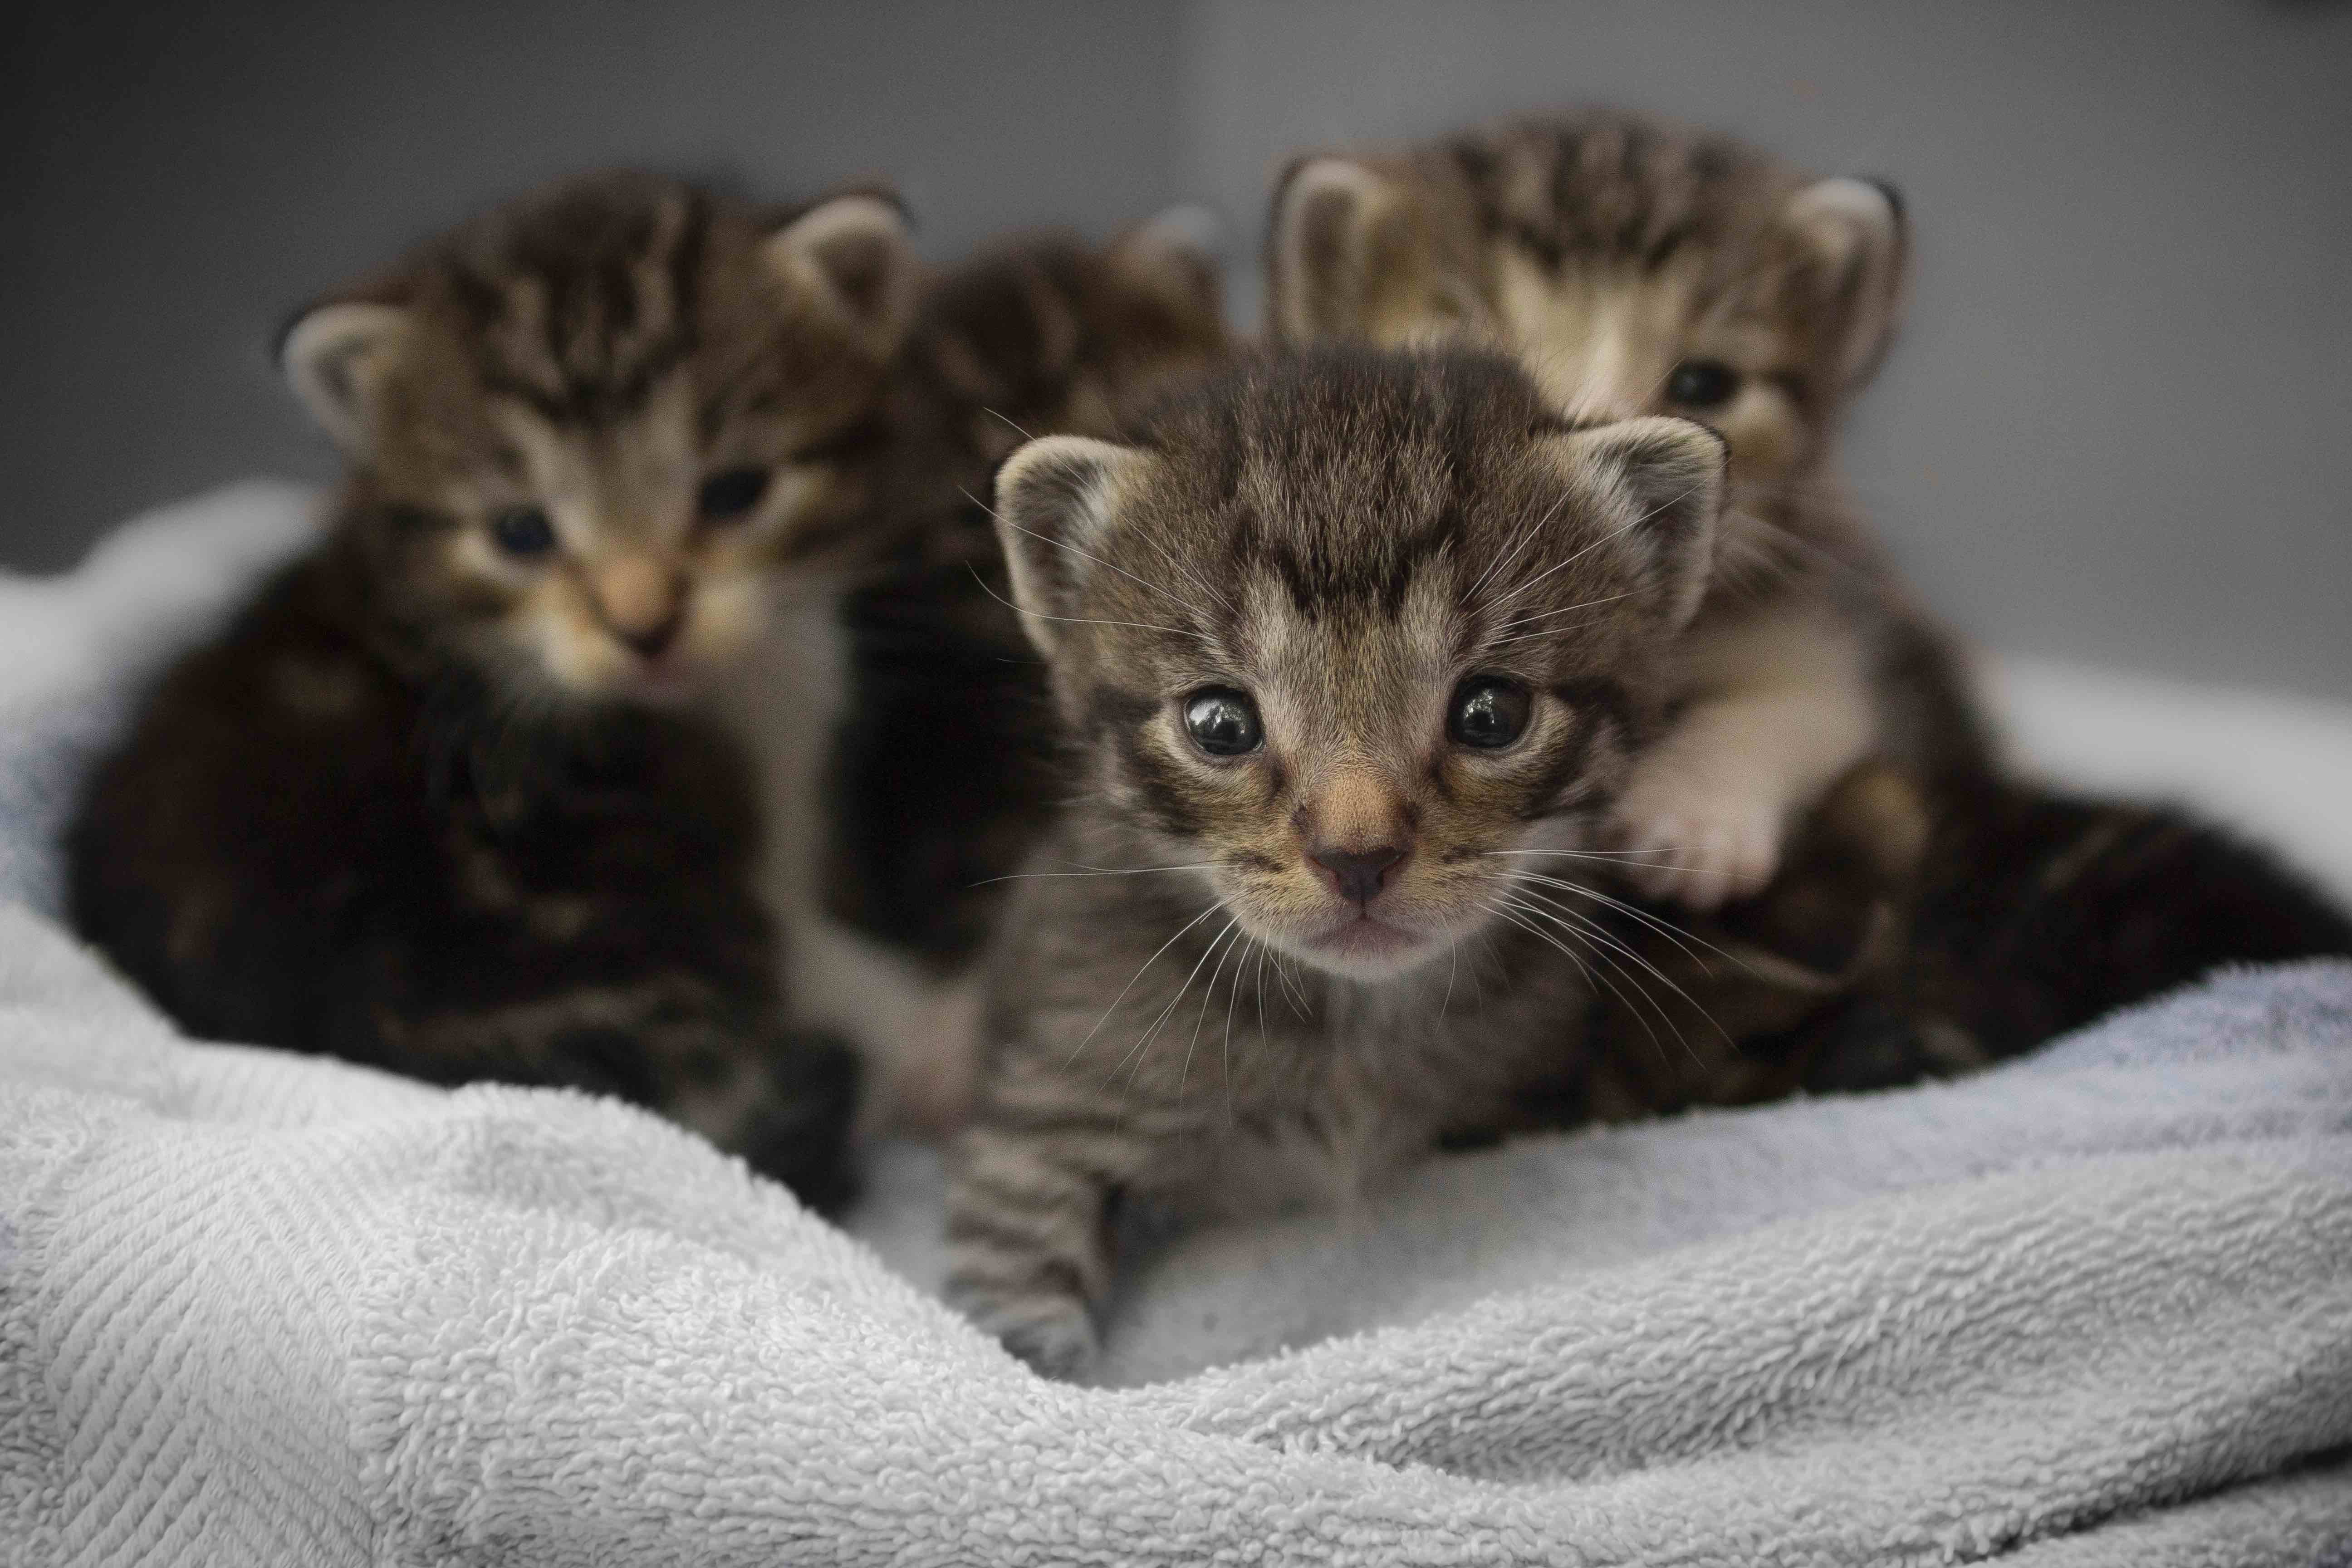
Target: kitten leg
{"type": "Point", "coordinates": [1784, 710]}
{"type": "Point", "coordinates": [1028, 1221]}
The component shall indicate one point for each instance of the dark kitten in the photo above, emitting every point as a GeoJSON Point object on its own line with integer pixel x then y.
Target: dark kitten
{"type": "Point", "coordinates": [434, 801]}
{"type": "Point", "coordinates": [1295, 923]}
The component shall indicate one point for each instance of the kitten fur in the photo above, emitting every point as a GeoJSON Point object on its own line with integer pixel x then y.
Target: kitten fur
{"type": "Point", "coordinates": [941, 737]}
{"type": "Point", "coordinates": [1634, 267]}
{"type": "Point", "coordinates": [1610, 251]}
{"type": "Point", "coordinates": [437, 800]}
{"type": "Point", "coordinates": [1230, 979]}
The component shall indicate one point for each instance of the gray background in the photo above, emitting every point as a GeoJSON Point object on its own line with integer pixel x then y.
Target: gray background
{"type": "Point", "coordinates": [2115, 430]}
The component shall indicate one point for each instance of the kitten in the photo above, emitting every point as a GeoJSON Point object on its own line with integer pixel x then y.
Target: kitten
{"type": "Point", "coordinates": [929, 703]}
{"type": "Point", "coordinates": [438, 800]}
{"type": "Point", "coordinates": [1349, 645]}
{"type": "Point", "coordinates": [1640, 268]}
{"type": "Point", "coordinates": [1634, 268]}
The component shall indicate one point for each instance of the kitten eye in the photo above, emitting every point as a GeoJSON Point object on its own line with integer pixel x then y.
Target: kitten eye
{"type": "Point", "coordinates": [1222, 721]}
{"type": "Point", "coordinates": [523, 530]}
{"type": "Point", "coordinates": [1489, 713]}
{"type": "Point", "coordinates": [1702, 383]}
{"type": "Point", "coordinates": [728, 494]}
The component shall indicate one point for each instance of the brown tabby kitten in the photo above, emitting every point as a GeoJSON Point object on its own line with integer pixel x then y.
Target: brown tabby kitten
{"type": "Point", "coordinates": [435, 802]}
{"type": "Point", "coordinates": [1348, 643]}
{"type": "Point", "coordinates": [932, 700]}
{"type": "Point", "coordinates": [1944, 916]}
{"type": "Point", "coordinates": [1636, 267]}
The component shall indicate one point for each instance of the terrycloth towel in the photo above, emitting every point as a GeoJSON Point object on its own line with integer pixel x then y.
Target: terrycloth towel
{"type": "Point", "coordinates": [2093, 1308]}
{"type": "Point", "coordinates": [261, 1309]}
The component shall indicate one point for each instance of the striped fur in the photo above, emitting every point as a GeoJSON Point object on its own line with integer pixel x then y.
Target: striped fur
{"type": "Point", "coordinates": [433, 802]}
{"type": "Point", "coordinates": [1188, 1007]}
{"type": "Point", "coordinates": [1635, 267]}
{"type": "Point", "coordinates": [1605, 249]}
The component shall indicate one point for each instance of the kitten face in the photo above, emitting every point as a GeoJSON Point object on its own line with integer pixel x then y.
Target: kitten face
{"type": "Point", "coordinates": [588, 430]}
{"type": "Point", "coordinates": [1346, 629]}
{"type": "Point", "coordinates": [1633, 267]}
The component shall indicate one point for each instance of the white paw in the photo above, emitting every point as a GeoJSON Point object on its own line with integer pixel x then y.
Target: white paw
{"type": "Point", "coordinates": [1699, 841]}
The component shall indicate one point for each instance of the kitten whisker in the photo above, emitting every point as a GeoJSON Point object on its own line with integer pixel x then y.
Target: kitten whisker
{"type": "Point", "coordinates": [1017, 430]}
{"type": "Point", "coordinates": [1148, 962]}
{"type": "Point", "coordinates": [1526, 537]}
{"type": "Point", "coordinates": [1208, 1001]}
{"type": "Point", "coordinates": [1596, 855]}
{"type": "Point", "coordinates": [1094, 871]}
{"type": "Point", "coordinates": [1530, 619]}
{"type": "Point", "coordinates": [1182, 603]}
{"type": "Point", "coordinates": [1665, 927]}
{"type": "Point", "coordinates": [1142, 1045]}
{"type": "Point", "coordinates": [1080, 620]}
{"type": "Point", "coordinates": [1601, 934]}
{"type": "Point", "coordinates": [1613, 533]}
{"type": "Point", "coordinates": [1532, 917]}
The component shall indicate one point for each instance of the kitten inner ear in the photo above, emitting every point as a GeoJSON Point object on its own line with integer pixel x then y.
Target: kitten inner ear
{"type": "Point", "coordinates": [850, 258]}
{"type": "Point", "coordinates": [1673, 475]}
{"type": "Point", "coordinates": [337, 358]}
{"type": "Point", "coordinates": [1178, 256]}
{"type": "Point", "coordinates": [1856, 231]}
{"type": "Point", "coordinates": [1340, 247]}
{"type": "Point", "coordinates": [1054, 498]}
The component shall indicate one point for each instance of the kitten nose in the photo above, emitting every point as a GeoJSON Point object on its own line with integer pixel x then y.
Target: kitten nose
{"type": "Point", "coordinates": [641, 604]}
{"type": "Point", "coordinates": [1358, 872]}
{"type": "Point", "coordinates": [649, 641]}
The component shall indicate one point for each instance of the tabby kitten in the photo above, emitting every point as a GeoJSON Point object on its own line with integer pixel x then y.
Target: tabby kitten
{"type": "Point", "coordinates": [932, 709]}
{"type": "Point", "coordinates": [1351, 646]}
{"type": "Point", "coordinates": [1635, 268]}
{"type": "Point", "coordinates": [436, 800]}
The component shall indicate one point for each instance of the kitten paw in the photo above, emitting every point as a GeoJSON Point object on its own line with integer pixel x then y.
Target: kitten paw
{"type": "Point", "coordinates": [1700, 842]}
{"type": "Point", "coordinates": [1056, 1336]}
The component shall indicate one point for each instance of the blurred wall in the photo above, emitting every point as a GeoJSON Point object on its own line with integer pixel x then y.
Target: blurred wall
{"type": "Point", "coordinates": [2114, 431]}
{"type": "Point", "coordinates": [176, 179]}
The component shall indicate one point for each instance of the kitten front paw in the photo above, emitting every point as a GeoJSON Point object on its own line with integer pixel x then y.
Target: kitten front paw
{"type": "Point", "coordinates": [1054, 1334]}
{"type": "Point", "coordinates": [1697, 840]}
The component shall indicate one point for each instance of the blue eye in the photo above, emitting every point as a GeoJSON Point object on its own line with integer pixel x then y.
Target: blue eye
{"type": "Point", "coordinates": [727, 495]}
{"type": "Point", "coordinates": [1222, 721]}
{"type": "Point", "coordinates": [523, 531]}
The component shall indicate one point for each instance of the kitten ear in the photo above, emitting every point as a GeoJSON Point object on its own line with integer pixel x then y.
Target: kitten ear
{"type": "Point", "coordinates": [1054, 502]}
{"type": "Point", "coordinates": [1340, 244]}
{"type": "Point", "coordinates": [336, 357]}
{"type": "Point", "coordinates": [850, 257]}
{"type": "Point", "coordinates": [1179, 257]}
{"type": "Point", "coordinates": [1673, 475]}
{"type": "Point", "coordinates": [1855, 230]}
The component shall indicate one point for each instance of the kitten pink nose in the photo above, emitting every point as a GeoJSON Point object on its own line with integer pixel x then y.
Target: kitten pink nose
{"type": "Point", "coordinates": [1358, 873]}
{"type": "Point", "coordinates": [641, 604]}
